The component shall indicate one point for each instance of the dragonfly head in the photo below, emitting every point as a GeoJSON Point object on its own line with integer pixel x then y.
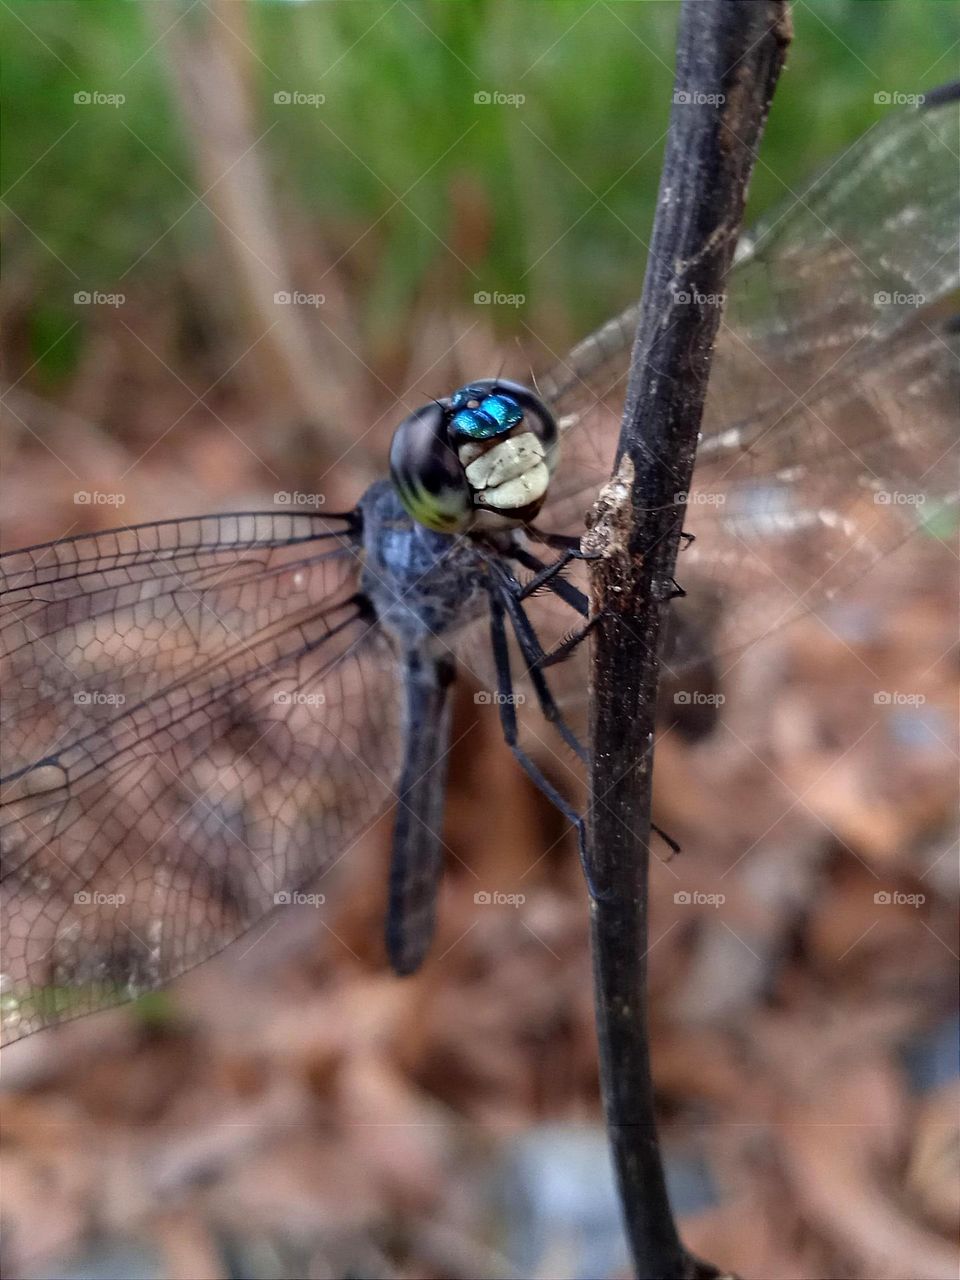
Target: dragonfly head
{"type": "Point", "coordinates": [481, 456]}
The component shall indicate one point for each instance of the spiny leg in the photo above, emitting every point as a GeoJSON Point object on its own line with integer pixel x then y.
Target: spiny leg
{"type": "Point", "coordinates": [508, 723]}
{"type": "Point", "coordinates": [563, 650]}
{"type": "Point", "coordinates": [533, 655]}
{"type": "Point", "coordinates": [514, 592]}
{"type": "Point", "coordinates": [567, 592]}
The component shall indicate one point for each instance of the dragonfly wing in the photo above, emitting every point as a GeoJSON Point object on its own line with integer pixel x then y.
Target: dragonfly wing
{"type": "Point", "coordinates": [187, 742]}
{"type": "Point", "coordinates": [846, 263]}
{"type": "Point", "coordinates": [845, 259]}
{"type": "Point", "coordinates": [831, 414]}
{"type": "Point", "coordinates": [792, 509]}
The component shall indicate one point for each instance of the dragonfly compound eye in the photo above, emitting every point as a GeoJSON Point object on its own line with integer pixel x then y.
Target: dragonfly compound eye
{"type": "Point", "coordinates": [427, 474]}
{"type": "Point", "coordinates": [506, 440]}
{"type": "Point", "coordinates": [485, 454]}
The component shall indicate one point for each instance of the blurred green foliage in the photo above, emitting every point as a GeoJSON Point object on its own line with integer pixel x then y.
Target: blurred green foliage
{"type": "Point", "coordinates": [409, 181]}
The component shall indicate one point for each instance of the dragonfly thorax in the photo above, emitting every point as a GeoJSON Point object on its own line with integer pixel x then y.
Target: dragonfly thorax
{"type": "Point", "coordinates": [421, 583]}
{"type": "Point", "coordinates": [483, 456]}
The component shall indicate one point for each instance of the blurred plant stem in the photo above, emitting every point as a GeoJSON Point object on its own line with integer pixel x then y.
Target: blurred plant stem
{"type": "Point", "coordinates": [210, 60]}
{"type": "Point", "coordinates": [729, 58]}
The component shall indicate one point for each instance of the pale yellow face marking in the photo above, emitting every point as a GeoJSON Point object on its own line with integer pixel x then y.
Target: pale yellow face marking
{"type": "Point", "coordinates": [519, 491]}
{"type": "Point", "coordinates": [510, 474]}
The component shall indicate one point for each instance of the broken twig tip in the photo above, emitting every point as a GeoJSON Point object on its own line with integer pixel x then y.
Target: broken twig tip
{"type": "Point", "coordinates": [610, 520]}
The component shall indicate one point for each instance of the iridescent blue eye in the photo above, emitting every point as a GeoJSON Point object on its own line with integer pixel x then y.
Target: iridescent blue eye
{"type": "Point", "coordinates": [508, 403]}
{"type": "Point", "coordinates": [481, 416]}
{"type": "Point", "coordinates": [485, 452]}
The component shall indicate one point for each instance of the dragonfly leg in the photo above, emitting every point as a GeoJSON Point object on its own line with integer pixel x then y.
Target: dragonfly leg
{"type": "Point", "coordinates": [567, 542]}
{"type": "Point", "coordinates": [563, 650]}
{"type": "Point", "coordinates": [534, 655]}
{"type": "Point", "coordinates": [567, 592]}
{"type": "Point", "coordinates": [515, 593]}
{"type": "Point", "coordinates": [545, 575]}
{"type": "Point", "coordinates": [508, 723]}
{"type": "Point", "coordinates": [536, 660]}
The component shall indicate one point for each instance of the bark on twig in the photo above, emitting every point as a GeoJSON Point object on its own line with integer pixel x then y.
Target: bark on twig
{"type": "Point", "coordinates": [729, 56]}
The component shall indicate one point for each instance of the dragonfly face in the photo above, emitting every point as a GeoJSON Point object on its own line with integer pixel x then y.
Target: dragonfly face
{"type": "Point", "coordinates": [200, 717]}
{"type": "Point", "coordinates": [483, 456]}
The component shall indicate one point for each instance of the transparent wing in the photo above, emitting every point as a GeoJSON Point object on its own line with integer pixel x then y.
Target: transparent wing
{"type": "Point", "coordinates": [831, 426]}
{"type": "Point", "coordinates": [187, 741]}
{"type": "Point", "coordinates": [847, 259]}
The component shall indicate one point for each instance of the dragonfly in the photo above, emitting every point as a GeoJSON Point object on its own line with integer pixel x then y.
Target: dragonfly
{"type": "Point", "coordinates": [201, 716]}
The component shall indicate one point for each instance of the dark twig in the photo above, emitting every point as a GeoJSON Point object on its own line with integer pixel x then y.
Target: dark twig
{"type": "Point", "coordinates": [728, 53]}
